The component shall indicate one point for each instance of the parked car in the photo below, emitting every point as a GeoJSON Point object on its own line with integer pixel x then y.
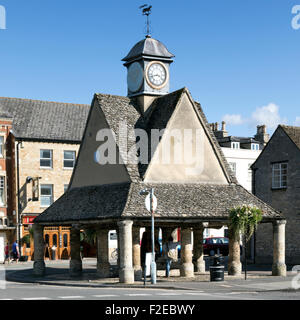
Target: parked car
{"type": "Point", "coordinates": [211, 246]}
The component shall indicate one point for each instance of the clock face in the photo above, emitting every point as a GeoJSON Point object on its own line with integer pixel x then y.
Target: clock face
{"type": "Point", "coordinates": [156, 75]}
{"type": "Point", "coordinates": [135, 77]}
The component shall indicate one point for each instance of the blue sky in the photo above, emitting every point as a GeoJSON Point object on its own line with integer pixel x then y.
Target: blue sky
{"type": "Point", "coordinates": [239, 59]}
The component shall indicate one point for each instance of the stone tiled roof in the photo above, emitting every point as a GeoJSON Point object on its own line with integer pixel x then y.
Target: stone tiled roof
{"type": "Point", "coordinates": [199, 201]}
{"type": "Point", "coordinates": [293, 133]}
{"type": "Point", "coordinates": [119, 109]}
{"type": "Point", "coordinates": [34, 119]}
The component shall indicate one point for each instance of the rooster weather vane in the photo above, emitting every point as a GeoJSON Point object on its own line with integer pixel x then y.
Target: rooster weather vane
{"type": "Point", "coordinates": [146, 12]}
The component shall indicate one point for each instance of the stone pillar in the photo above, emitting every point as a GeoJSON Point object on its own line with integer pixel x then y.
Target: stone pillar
{"type": "Point", "coordinates": [75, 262]}
{"type": "Point", "coordinates": [279, 266]}
{"type": "Point", "coordinates": [187, 267]}
{"type": "Point", "coordinates": [103, 265]}
{"type": "Point", "coordinates": [199, 262]}
{"type": "Point", "coordinates": [234, 260]}
{"type": "Point", "coordinates": [136, 252]}
{"type": "Point", "coordinates": [126, 272]}
{"type": "Point", "coordinates": [39, 247]}
{"type": "Point", "coordinates": [118, 239]}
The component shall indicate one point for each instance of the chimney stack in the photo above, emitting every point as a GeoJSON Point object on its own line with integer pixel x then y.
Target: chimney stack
{"type": "Point", "coordinates": [262, 136]}
{"type": "Point", "coordinates": [220, 133]}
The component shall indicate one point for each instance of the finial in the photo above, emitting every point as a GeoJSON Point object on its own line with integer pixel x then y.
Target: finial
{"type": "Point", "coordinates": [147, 12]}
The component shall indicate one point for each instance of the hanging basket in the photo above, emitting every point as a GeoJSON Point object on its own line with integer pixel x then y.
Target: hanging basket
{"type": "Point", "coordinates": [244, 220]}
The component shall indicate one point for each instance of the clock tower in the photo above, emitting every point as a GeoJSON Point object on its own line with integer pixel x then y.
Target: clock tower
{"type": "Point", "coordinates": [148, 64]}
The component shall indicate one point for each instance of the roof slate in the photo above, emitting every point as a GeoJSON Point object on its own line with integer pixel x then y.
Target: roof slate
{"type": "Point", "coordinates": [115, 201]}
{"type": "Point", "coordinates": [148, 47]}
{"type": "Point", "coordinates": [199, 201]}
{"type": "Point", "coordinates": [34, 119]}
{"type": "Point", "coordinates": [293, 132]}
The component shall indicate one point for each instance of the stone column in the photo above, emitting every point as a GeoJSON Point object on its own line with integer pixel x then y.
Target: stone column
{"type": "Point", "coordinates": [126, 272]}
{"type": "Point", "coordinates": [103, 265]}
{"type": "Point", "coordinates": [199, 262]}
{"type": "Point", "coordinates": [75, 262]}
{"type": "Point", "coordinates": [118, 240]}
{"type": "Point", "coordinates": [39, 247]}
{"type": "Point", "coordinates": [136, 252]}
{"type": "Point", "coordinates": [187, 267]}
{"type": "Point", "coordinates": [234, 260]}
{"type": "Point", "coordinates": [279, 266]}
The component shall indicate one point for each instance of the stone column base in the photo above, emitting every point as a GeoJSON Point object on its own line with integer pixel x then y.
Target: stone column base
{"type": "Point", "coordinates": [199, 266]}
{"type": "Point", "coordinates": [279, 269]}
{"type": "Point", "coordinates": [187, 270]}
{"type": "Point", "coordinates": [75, 268]}
{"type": "Point", "coordinates": [234, 269]}
{"type": "Point", "coordinates": [126, 275]}
{"type": "Point", "coordinates": [138, 274]}
{"type": "Point", "coordinates": [103, 270]}
{"type": "Point", "coordinates": [39, 268]}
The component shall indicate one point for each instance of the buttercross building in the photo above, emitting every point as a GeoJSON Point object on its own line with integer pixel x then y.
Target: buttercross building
{"type": "Point", "coordinates": [195, 189]}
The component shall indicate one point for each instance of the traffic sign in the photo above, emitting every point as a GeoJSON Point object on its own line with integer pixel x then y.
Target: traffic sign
{"type": "Point", "coordinates": [147, 202]}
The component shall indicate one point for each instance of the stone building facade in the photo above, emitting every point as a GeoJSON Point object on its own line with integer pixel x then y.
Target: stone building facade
{"type": "Point", "coordinates": [7, 200]}
{"type": "Point", "coordinates": [55, 179]}
{"type": "Point", "coordinates": [277, 182]}
{"type": "Point", "coordinates": [42, 143]}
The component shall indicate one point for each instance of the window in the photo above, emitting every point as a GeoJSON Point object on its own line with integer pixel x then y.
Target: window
{"type": "Point", "coordinates": [206, 233]}
{"type": "Point", "coordinates": [2, 190]}
{"type": "Point", "coordinates": [46, 195]}
{"type": "Point", "coordinates": [46, 158]}
{"type": "Point", "coordinates": [69, 159]}
{"type": "Point", "coordinates": [54, 240]}
{"type": "Point", "coordinates": [279, 175]}
{"type": "Point", "coordinates": [65, 237]}
{"type": "Point", "coordinates": [232, 166]}
{"type": "Point", "coordinates": [235, 145]}
{"type": "Point", "coordinates": [255, 146]}
{"type": "Point", "coordinates": [1, 146]}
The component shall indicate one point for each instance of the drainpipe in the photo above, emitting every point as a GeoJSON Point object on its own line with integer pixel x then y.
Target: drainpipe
{"type": "Point", "coordinates": [19, 222]}
{"type": "Point", "coordinates": [254, 235]}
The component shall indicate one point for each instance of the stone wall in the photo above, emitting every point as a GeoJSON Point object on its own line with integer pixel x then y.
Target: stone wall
{"type": "Point", "coordinates": [58, 176]}
{"type": "Point", "coordinates": [280, 148]}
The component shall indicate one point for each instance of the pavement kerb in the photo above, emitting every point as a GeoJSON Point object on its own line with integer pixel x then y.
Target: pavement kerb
{"type": "Point", "coordinates": [11, 278]}
{"type": "Point", "coordinates": [69, 283]}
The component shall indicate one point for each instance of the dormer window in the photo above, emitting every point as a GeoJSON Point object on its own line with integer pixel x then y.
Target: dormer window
{"type": "Point", "coordinates": [235, 145]}
{"type": "Point", "coordinates": [255, 146]}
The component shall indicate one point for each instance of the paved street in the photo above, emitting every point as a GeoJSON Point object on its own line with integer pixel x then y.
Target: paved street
{"type": "Point", "coordinates": [56, 288]}
{"type": "Point", "coordinates": [17, 291]}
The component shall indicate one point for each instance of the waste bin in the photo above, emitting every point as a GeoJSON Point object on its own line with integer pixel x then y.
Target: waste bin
{"type": "Point", "coordinates": [216, 269]}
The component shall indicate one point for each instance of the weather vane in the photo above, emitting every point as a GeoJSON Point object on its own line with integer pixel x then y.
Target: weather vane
{"type": "Point", "coordinates": [146, 12]}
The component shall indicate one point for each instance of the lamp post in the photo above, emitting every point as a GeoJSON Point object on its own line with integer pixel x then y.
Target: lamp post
{"type": "Point", "coordinates": [150, 205]}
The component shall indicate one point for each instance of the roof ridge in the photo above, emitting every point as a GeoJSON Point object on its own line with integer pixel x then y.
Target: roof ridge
{"type": "Point", "coordinates": [288, 126]}
{"type": "Point", "coordinates": [111, 96]}
{"type": "Point", "coordinates": [37, 100]}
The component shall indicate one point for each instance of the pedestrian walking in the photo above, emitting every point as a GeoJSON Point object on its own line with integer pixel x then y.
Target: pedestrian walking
{"type": "Point", "coordinates": [170, 254]}
{"type": "Point", "coordinates": [6, 254]}
{"type": "Point", "coordinates": [15, 251]}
